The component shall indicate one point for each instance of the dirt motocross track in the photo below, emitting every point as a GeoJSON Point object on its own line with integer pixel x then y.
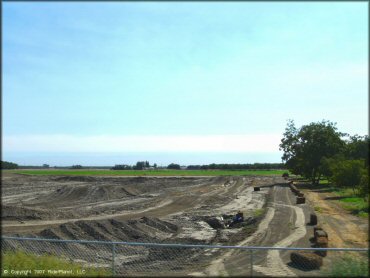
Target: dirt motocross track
{"type": "Point", "coordinates": [164, 210]}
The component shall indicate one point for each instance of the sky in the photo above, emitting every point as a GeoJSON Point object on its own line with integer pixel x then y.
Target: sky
{"type": "Point", "coordinates": [192, 82]}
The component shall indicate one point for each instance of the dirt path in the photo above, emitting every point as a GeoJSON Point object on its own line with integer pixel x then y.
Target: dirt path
{"type": "Point", "coordinates": [281, 212]}
{"type": "Point", "coordinates": [344, 229]}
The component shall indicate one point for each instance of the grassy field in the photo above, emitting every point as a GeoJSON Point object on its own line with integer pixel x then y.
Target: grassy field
{"type": "Point", "coordinates": [56, 172]}
{"type": "Point", "coordinates": [19, 263]}
{"type": "Point", "coordinates": [348, 200]}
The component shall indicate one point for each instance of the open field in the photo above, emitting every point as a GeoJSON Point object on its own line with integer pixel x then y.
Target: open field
{"type": "Point", "coordinates": [53, 172]}
{"type": "Point", "coordinates": [165, 210]}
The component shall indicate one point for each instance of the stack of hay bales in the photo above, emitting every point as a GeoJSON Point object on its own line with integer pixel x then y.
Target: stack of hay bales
{"type": "Point", "coordinates": [321, 240]}
{"type": "Point", "coordinates": [256, 188]}
{"type": "Point", "coordinates": [309, 260]}
{"type": "Point", "coordinates": [300, 196]}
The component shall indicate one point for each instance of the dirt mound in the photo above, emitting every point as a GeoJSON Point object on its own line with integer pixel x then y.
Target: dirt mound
{"type": "Point", "coordinates": [75, 178]}
{"type": "Point", "coordinates": [144, 229]}
{"type": "Point", "coordinates": [87, 193]}
{"type": "Point", "coordinates": [9, 212]}
{"type": "Point", "coordinates": [159, 224]}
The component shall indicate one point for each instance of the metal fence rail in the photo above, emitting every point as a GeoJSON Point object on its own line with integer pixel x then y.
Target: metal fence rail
{"type": "Point", "coordinates": [156, 259]}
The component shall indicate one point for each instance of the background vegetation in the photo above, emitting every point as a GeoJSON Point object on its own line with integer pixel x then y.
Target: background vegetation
{"type": "Point", "coordinates": [8, 165]}
{"type": "Point", "coordinates": [85, 172]}
{"type": "Point", "coordinates": [321, 154]}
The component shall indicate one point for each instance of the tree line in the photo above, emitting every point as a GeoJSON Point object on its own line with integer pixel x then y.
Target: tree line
{"type": "Point", "coordinates": [224, 166]}
{"type": "Point", "coordinates": [142, 165]}
{"type": "Point", "coordinates": [8, 165]}
{"type": "Point", "coordinates": [318, 150]}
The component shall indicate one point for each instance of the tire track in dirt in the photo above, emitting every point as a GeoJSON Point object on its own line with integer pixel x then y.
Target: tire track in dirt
{"type": "Point", "coordinates": [218, 266]}
{"type": "Point", "coordinates": [100, 217]}
{"type": "Point", "coordinates": [275, 265]}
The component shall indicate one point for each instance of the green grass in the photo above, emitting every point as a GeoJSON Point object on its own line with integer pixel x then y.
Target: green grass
{"type": "Point", "coordinates": [259, 212]}
{"type": "Point", "coordinates": [356, 205]}
{"type": "Point", "coordinates": [324, 181]}
{"type": "Point", "coordinates": [318, 209]}
{"type": "Point", "coordinates": [349, 266]}
{"type": "Point", "coordinates": [13, 262]}
{"type": "Point", "coordinates": [53, 172]}
{"type": "Point", "coordinates": [348, 200]}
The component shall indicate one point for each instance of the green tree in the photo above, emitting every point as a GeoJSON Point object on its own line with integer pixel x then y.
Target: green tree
{"type": "Point", "coordinates": [139, 165]}
{"type": "Point", "coordinates": [348, 173]}
{"type": "Point", "coordinates": [305, 148]}
{"type": "Point", "coordinates": [357, 147]}
{"type": "Point", "coordinates": [121, 167]}
{"type": "Point", "coordinates": [8, 165]}
{"type": "Point", "coordinates": [173, 166]}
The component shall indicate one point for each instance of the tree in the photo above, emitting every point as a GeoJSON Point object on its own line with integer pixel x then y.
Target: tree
{"type": "Point", "coordinates": [173, 166]}
{"type": "Point", "coordinates": [357, 147]}
{"type": "Point", "coordinates": [139, 165]}
{"type": "Point", "coordinates": [349, 173]}
{"type": "Point", "coordinates": [8, 165]}
{"type": "Point", "coordinates": [76, 167]}
{"type": "Point", "coordinates": [121, 167]}
{"type": "Point", "coordinates": [305, 148]}
{"type": "Point", "coordinates": [45, 165]}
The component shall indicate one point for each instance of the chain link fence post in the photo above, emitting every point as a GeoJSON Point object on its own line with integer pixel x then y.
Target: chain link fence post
{"type": "Point", "coordinates": [251, 259]}
{"type": "Point", "coordinates": [113, 257]}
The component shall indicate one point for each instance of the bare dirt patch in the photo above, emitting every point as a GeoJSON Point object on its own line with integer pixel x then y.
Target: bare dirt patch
{"type": "Point", "coordinates": [345, 230]}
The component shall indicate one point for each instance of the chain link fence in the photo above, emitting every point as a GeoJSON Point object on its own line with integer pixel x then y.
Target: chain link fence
{"type": "Point", "coordinates": [36, 256]}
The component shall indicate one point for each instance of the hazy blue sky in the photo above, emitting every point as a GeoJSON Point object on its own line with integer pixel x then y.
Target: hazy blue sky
{"type": "Point", "coordinates": [177, 78]}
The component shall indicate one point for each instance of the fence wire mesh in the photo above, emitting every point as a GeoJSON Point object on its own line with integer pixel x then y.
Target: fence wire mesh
{"type": "Point", "coordinates": [25, 256]}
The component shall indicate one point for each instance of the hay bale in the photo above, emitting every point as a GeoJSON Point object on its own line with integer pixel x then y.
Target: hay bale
{"type": "Point", "coordinates": [320, 233]}
{"type": "Point", "coordinates": [300, 194]}
{"type": "Point", "coordinates": [321, 253]}
{"type": "Point", "coordinates": [306, 260]}
{"type": "Point", "coordinates": [313, 219]}
{"type": "Point", "coordinates": [216, 223]}
{"type": "Point", "coordinates": [301, 200]}
{"type": "Point", "coordinates": [316, 229]}
{"type": "Point", "coordinates": [256, 188]}
{"type": "Point", "coordinates": [322, 242]}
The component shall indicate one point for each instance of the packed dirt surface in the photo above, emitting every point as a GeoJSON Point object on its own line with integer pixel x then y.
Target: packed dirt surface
{"type": "Point", "coordinates": [162, 210]}
{"type": "Point", "coordinates": [347, 230]}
